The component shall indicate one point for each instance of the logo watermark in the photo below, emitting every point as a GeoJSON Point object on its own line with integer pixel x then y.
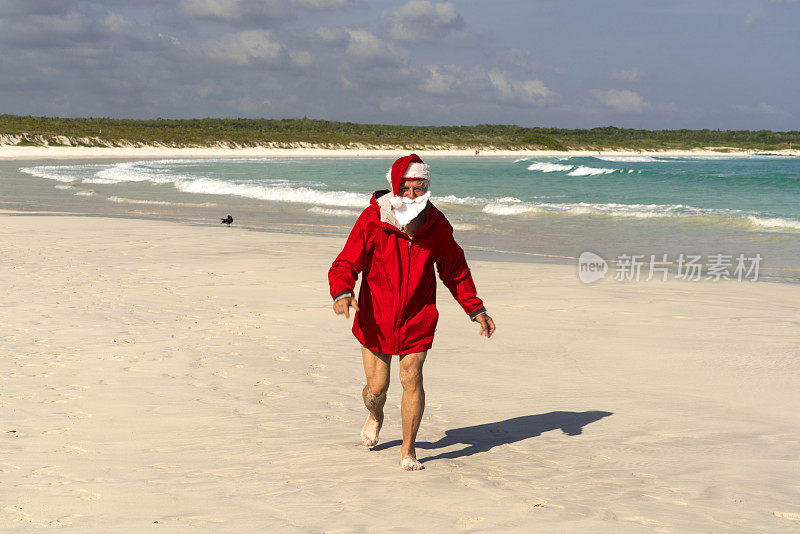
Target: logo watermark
{"type": "Point", "coordinates": [688, 267]}
{"type": "Point", "coordinates": [591, 267]}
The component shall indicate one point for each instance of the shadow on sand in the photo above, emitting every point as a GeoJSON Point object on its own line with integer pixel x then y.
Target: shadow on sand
{"type": "Point", "coordinates": [481, 438]}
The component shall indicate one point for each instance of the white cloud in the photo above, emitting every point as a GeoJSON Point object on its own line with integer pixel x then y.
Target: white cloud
{"type": "Point", "coordinates": [365, 48]}
{"type": "Point", "coordinates": [526, 92]}
{"type": "Point", "coordinates": [331, 36]}
{"type": "Point", "coordinates": [521, 59]}
{"type": "Point", "coordinates": [442, 80]}
{"type": "Point", "coordinates": [421, 20]}
{"type": "Point", "coordinates": [754, 18]}
{"type": "Point", "coordinates": [215, 9]}
{"type": "Point", "coordinates": [628, 75]}
{"type": "Point", "coordinates": [31, 7]}
{"type": "Point", "coordinates": [246, 47]}
{"type": "Point", "coordinates": [319, 5]}
{"type": "Point", "coordinates": [761, 108]}
{"type": "Point", "coordinates": [238, 12]}
{"type": "Point", "coordinates": [622, 101]}
{"type": "Point", "coordinates": [301, 59]}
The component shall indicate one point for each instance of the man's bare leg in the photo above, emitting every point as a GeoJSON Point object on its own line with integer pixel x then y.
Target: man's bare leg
{"type": "Point", "coordinates": [412, 407]}
{"type": "Point", "coordinates": [376, 367]}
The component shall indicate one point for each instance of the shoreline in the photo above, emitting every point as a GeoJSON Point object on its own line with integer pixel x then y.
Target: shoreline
{"type": "Point", "coordinates": [478, 253]}
{"type": "Point", "coordinates": [12, 153]}
{"type": "Point", "coordinates": [145, 359]}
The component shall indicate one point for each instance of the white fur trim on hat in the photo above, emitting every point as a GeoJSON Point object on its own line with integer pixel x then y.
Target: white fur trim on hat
{"type": "Point", "coordinates": [415, 171]}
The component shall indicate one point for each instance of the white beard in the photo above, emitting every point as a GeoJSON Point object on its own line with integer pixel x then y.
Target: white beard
{"type": "Point", "coordinates": [406, 209]}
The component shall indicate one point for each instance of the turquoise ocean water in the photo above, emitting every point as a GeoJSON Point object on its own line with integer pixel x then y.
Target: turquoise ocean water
{"type": "Point", "coordinates": [535, 208]}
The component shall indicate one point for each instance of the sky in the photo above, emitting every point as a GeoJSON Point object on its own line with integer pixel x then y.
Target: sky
{"type": "Point", "coordinates": [717, 64]}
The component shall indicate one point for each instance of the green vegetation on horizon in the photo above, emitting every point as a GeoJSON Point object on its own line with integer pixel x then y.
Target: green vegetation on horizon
{"type": "Point", "coordinates": [286, 132]}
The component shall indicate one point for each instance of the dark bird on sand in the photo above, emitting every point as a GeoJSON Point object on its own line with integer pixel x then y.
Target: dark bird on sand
{"type": "Point", "coordinates": [227, 220]}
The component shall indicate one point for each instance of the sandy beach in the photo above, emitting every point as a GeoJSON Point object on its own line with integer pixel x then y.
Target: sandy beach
{"type": "Point", "coordinates": [10, 152]}
{"type": "Point", "coordinates": [161, 376]}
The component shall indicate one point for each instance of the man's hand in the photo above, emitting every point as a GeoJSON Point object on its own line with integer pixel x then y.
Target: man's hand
{"type": "Point", "coordinates": [342, 306]}
{"type": "Point", "coordinates": [487, 325]}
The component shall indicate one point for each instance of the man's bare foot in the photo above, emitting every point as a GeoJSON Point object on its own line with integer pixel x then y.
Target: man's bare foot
{"type": "Point", "coordinates": [369, 434]}
{"type": "Point", "coordinates": [410, 463]}
{"type": "Point", "coordinates": [372, 427]}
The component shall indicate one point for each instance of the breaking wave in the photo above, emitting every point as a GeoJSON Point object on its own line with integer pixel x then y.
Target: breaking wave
{"type": "Point", "coordinates": [580, 170]}
{"type": "Point", "coordinates": [544, 166]}
{"type": "Point", "coordinates": [303, 195]}
{"type": "Point", "coordinates": [774, 223]}
{"type": "Point", "coordinates": [329, 211]}
{"type": "Point", "coordinates": [574, 170]}
{"type": "Point", "coordinates": [123, 200]}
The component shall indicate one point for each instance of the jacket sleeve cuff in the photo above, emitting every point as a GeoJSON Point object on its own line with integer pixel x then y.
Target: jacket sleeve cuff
{"type": "Point", "coordinates": [477, 312]}
{"type": "Point", "coordinates": [343, 294]}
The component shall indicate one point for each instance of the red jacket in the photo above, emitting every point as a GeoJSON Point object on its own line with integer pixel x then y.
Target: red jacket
{"type": "Point", "coordinates": [397, 303]}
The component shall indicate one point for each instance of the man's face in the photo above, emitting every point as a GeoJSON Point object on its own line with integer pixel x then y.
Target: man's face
{"type": "Point", "coordinates": [413, 188]}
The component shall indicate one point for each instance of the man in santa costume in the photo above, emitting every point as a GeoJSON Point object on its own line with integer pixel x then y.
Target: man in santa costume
{"type": "Point", "coordinates": [395, 243]}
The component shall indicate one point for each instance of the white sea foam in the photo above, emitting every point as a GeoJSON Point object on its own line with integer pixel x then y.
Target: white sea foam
{"type": "Point", "coordinates": [60, 173]}
{"type": "Point", "coordinates": [774, 222]}
{"type": "Point", "coordinates": [463, 227]}
{"type": "Point", "coordinates": [84, 193]}
{"type": "Point", "coordinates": [303, 195]}
{"type": "Point", "coordinates": [451, 199]}
{"type": "Point", "coordinates": [628, 159]}
{"type": "Point", "coordinates": [544, 166]}
{"type": "Point", "coordinates": [329, 211]}
{"type": "Point", "coordinates": [638, 211]}
{"type": "Point", "coordinates": [499, 208]}
{"type": "Point", "coordinates": [63, 186]}
{"type": "Point", "coordinates": [126, 172]}
{"type": "Point", "coordinates": [123, 200]}
{"type": "Point", "coordinates": [590, 171]}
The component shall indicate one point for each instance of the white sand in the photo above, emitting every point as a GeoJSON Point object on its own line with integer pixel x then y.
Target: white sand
{"type": "Point", "coordinates": [196, 377]}
{"type": "Point", "coordinates": [8, 152]}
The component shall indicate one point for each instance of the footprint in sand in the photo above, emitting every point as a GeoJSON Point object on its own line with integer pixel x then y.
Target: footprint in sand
{"type": "Point", "coordinates": [73, 449]}
{"type": "Point", "coordinates": [56, 431]}
{"type": "Point", "coordinates": [661, 499]}
{"type": "Point", "coordinates": [465, 523]}
{"type": "Point", "coordinates": [787, 515]}
{"type": "Point", "coordinates": [5, 468]}
{"type": "Point", "coordinates": [17, 514]}
{"type": "Point", "coordinates": [221, 374]}
{"type": "Point", "coordinates": [65, 521]}
{"type": "Point", "coordinates": [200, 518]}
{"type": "Point", "coordinates": [46, 471]}
{"type": "Point", "coordinates": [86, 495]}
{"type": "Point", "coordinates": [64, 397]}
{"type": "Point", "coordinates": [282, 359]}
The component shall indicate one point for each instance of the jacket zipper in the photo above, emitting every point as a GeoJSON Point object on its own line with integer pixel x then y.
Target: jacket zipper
{"type": "Point", "coordinates": [404, 295]}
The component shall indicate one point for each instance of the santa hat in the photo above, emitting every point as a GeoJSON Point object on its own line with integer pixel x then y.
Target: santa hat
{"type": "Point", "coordinates": [407, 168]}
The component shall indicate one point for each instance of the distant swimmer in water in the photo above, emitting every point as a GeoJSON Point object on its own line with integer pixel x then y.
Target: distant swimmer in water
{"type": "Point", "coordinates": [227, 220]}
